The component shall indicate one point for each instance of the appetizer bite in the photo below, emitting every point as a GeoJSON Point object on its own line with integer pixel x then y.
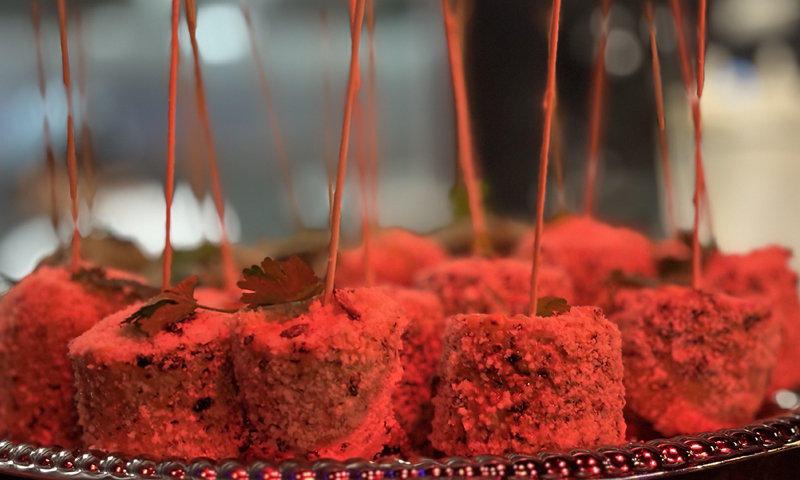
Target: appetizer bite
{"type": "Point", "coordinates": [317, 379]}
{"type": "Point", "coordinates": [39, 316]}
{"type": "Point", "coordinates": [551, 379]}
{"type": "Point", "coordinates": [764, 274]}
{"type": "Point", "coordinates": [590, 252]}
{"type": "Point", "coordinates": [694, 361]}
{"type": "Point", "coordinates": [396, 256]}
{"type": "Point", "coordinates": [317, 372]}
{"type": "Point", "coordinates": [159, 378]}
{"type": "Point", "coordinates": [514, 383]}
{"type": "Point", "coordinates": [497, 285]}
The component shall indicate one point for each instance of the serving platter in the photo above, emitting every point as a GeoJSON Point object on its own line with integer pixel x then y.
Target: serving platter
{"type": "Point", "coordinates": [764, 450]}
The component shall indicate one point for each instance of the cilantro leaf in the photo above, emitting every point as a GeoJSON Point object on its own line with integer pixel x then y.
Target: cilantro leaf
{"type": "Point", "coordinates": [550, 306]}
{"type": "Point", "coordinates": [171, 306]}
{"type": "Point", "coordinates": [276, 282]}
{"type": "Point", "coordinates": [459, 200]}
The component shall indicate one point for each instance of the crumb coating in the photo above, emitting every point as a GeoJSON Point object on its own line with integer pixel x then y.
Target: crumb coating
{"type": "Point", "coordinates": [491, 285]}
{"type": "Point", "coordinates": [172, 394]}
{"type": "Point", "coordinates": [525, 384]}
{"type": "Point", "coordinates": [590, 251]}
{"type": "Point", "coordinates": [765, 274]}
{"type": "Point", "coordinates": [694, 361]}
{"type": "Point", "coordinates": [396, 257]}
{"type": "Point", "coordinates": [39, 316]}
{"type": "Point", "coordinates": [318, 382]}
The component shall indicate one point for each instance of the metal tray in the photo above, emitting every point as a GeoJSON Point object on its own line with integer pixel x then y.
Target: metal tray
{"type": "Point", "coordinates": [765, 450]}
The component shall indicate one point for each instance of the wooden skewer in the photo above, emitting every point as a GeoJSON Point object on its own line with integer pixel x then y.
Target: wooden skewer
{"type": "Point", "coordinates": [273, 118]}
{"type": "Point", "coordinates": [341, 172]}
{"type": "Point", "coordinates": [172, 102]}
{"type": "Point", "coordinates": [700, 184]}
{"type": "Point", "coordinates": [701, 77]}
{"type": "Point", "coordinates": [701, 46]}
{"type": "Point", "coordinates": [549, 103]}
{"type": "Point", "coordinates": [228, 263]}
{"type": "Point", "coordinates": [86, 135]}
{"type": "Point", "coordinates": [662, 127]}
{"type": "Point", "coordinates": [50, 158]}
{"type": "Point", "coordinates": [480, 245]}
{"type": "Point", "coordinates": [72, 161]}
{"type": "Point", "coordinates": [598, 106]}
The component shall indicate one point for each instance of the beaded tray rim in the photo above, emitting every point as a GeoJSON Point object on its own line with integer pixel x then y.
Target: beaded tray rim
{"type": "Point", "coordinates": [658, 458]}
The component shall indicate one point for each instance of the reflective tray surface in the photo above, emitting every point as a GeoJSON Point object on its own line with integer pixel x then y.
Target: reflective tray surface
{"type": "Point", "coordinates": [766, 450]}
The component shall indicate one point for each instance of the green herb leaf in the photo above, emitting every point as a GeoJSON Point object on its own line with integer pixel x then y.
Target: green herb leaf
{"type": "Point", "coordinates": [550, 306]}
{"type": "Point", "coordinates": [171, 306]}
{"type": "Point", "coordinates": [276, 282]}
{"type": "Point", "coordinates": [459, 200]}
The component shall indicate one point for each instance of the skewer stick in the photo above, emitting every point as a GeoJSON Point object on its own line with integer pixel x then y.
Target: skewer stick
{"type": "Point", "coordinates": [662, 128]}
{"type": "Point", "coordinates": [480, 244]}
{"type": "Point", "coordinates": [372, 104]}
{"type": "Point", "coordinates": [228, 263]}
{"type": "Point", "coordinates": [598, 106]}
{"type": "Point", "coordinates": [549, 103]}
{"type": "Point", "coordinates": [170, 184]}
{"type": "Point", "coordinates": [50, 158]}
{"type": "Point", "coordinates": [352, 90]}
{"type": "Point", "coordinates": [701, 75]}
{"type": "Point", "coordinates": [700, 186]}
{"type": "Point", "coordinates": [363, 183]}
{"type": "Point", "coordinates": [701, 46]}
{"type": "Point", "coordinates": [72, 161]}
{"type": "Point", "coordinates": [328, 110]}
{"type": "Point", "coordinates": [86, 134]}
{"type": "Point", "coordinates": [273, 117]}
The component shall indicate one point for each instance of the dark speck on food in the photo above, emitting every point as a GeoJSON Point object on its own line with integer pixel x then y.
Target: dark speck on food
{"type": "Point", "coordinates": [751, 320]}
{"type": "Point", "coordinates": [347, 305]}
{"type": "Point", "coordinates": [174, 328]}
{"type": "Point", "coordinates": [144, 360]}
{"type": "Point", "coordinates": [295, 330]}
{"type": "Point", "coordinates": [388, 451]}
{"type": "Point", "coordinates": [248, 340]}
{"type": "Point", "coordinates": [203, 404]}
{"type": "Point", "coordinates": [513, 358]}
{"type": "Point", "coordinates": [519, 408]}
{"type": "Point", "coordinates": [355, 381]}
